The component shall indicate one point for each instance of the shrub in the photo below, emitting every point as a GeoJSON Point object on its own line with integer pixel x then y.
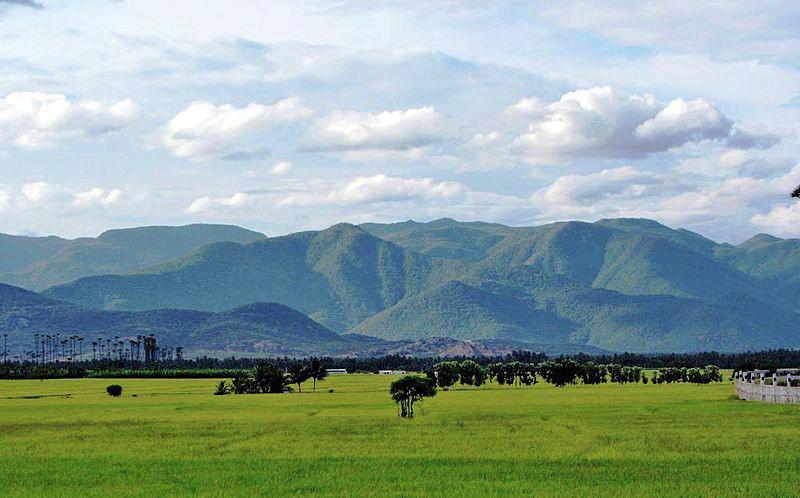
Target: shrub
{"type": "Point", "coordinates": [222, 389]}
{"type": "Point", "coordinates": [114, 390]}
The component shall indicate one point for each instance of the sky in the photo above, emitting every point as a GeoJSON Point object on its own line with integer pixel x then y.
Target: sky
{"type": "Point", "coordinates": [283, 116]}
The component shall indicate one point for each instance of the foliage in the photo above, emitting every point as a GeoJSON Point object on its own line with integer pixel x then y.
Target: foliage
{"type": "Point", "coordinates": [411, 389]}
{"type": "Point", "coordinates": [447, 374]}
{"type": "Point", "coordinates": [114, 390]}
{"type": "Point", "coordinates": [297, 372]}
{"type": "Point", "coordinates": [222, 389]}
{"type": "Point", "coordinates": [560, 372]}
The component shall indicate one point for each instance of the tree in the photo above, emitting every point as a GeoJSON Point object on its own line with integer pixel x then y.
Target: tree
{"type": "Point", "coordinates": [268, 378]}
{"type": "Point", "coordinates": [410, 389]}
{"type": "Point", "coordinates": [297, 372]}
{"type": "Point", "coordinates": [560, 372]}
{"type": "Point", "coordinates": [114, 390]}
{"type": "Point", "coordinates": [317, 370]}
{"type": "Point", "coordinates": [242, 383]}
{"type": "Point", "coordinates": [471, 374]}
{"type": "Point", "coordinates": [446, 374]}
{"type": "Point", "coordinates": [593, 374]}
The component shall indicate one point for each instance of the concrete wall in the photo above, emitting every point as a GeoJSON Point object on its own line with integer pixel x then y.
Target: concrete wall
{"type": "Point", "coordinates": [771, 394]}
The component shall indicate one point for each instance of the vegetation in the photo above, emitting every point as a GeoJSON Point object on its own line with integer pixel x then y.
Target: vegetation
{"type": "Point", "coordinates": [614, 285]}
{"type": "Point", "coordinates": [114, 390]}
{"type": "Point", "coordinates": [600, 440]}
{"type": "Point", "coordinates": [411, 389]}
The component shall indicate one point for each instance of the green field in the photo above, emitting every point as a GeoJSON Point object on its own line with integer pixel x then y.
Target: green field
{"type": "Point", "coordinates": [174, 437]}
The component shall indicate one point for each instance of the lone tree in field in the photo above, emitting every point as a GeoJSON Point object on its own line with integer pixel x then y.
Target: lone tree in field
{"type": "Point", "coordinates": [317, 370]}
{"type": "Point", "coordinates": [408, 390]}
{"type": "Point", "coordinates": [114, 390]}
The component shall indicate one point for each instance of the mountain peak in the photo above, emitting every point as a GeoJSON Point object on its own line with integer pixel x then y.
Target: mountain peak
{"type": "Point", "coordinates": [758, 240]}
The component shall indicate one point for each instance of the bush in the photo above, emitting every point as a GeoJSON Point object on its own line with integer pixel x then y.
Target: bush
{"type": "Point", "coordinates": [222, 389]}
{"type": "Point", "coordinates": [114, 390]}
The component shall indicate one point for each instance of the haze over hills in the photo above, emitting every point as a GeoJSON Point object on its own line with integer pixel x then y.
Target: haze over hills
{"type": "Point", "coordinates": [619, 285]}
{"type": "Point", "coordinates": [37, 263]}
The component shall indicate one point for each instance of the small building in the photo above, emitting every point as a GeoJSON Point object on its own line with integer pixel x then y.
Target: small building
{"type": "Point", "coordinates": [336, 371]}
{"type": "Point", "coordinates": [391, 372]}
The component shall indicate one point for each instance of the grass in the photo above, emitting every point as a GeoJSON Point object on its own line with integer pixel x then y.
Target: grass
{"type": "Point", "coordinates": [175, 437]}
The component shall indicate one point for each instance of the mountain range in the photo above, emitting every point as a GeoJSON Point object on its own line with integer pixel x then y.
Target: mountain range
{"type": "Point", "coordinates": [613, 285]}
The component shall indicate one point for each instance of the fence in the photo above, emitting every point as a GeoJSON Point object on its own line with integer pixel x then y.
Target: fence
{"type": "Point", "coordinates": [782, 386]}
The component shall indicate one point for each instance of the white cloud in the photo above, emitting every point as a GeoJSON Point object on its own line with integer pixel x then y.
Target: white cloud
{"type": "Point", "coordinates": [681, 122]}
{"type": "Point", "coordinates": [387, 131]}
{"type": "Point", "coordinates": [606, 185]}
{"type": "Point", "coordinates": [97, 197]}
{"type": "Point", "coordinates": [49, 196]}
{"type": "Point", "coordinates": [782, 219]}
{"type": "Point", "coordinates": [528, 107]}
{"type": "Point", "coordinates": [204, 130]}
{"type": "Point", "coordinates": [280, 168]}
{"type": "Point", "coordinates": [732, 162]}
{"type": "Point", "coordinates": [35, 120]}
{"type": "Point", "coordinates": [377, 189]}
{"type": "Point", "coordinates": [602, 122]}
{"type": "Point", "coordinates": [209, 204]}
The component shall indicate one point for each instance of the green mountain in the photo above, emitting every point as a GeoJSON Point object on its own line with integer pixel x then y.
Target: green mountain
{"type": "Point", "coordinates": [37, 263]}
{"type": "Point", "coordinates": [622, 284]}
{"type": "Point", "coordinates": [339, 277]}
{"type": "Point", "coordinates": [458, 310]}
{"type": "Point", "coordinates": [444, 238]}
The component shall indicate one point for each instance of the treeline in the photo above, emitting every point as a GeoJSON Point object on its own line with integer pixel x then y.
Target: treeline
{"type": "Point", "coordinates": [561, 372]}
{"type": "Point", "coordinates": [206, 367]}
{"type": "Point", "coordinates": [268, 377]}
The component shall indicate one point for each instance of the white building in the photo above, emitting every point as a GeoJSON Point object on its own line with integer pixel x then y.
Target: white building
{"type": "Point", "coordinates": [336, 371]}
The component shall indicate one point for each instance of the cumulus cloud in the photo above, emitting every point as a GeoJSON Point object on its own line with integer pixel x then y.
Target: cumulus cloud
{"type": "Point", "coordinates": [49, 196]}
{"type": "Point", "coordinates": [204, 130]}
{"type": "Point", "coordinates": [388, 131]}
{"type": "Point", "coordinates": [97, 197]}
{"type": "Point", "coordinates": [209, 204]}
{"type": "Point", "coordinates": [602, 122]}
{"type": "Point", "coordinates": [782, 219]}
{"type": "Point", "coordinates": [35, 120]}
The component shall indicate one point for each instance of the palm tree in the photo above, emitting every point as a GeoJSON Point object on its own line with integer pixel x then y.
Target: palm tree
{"type": "Point", "coordinates": [317, 371]}
{"type": "Point", "coordinates": [298, 373]}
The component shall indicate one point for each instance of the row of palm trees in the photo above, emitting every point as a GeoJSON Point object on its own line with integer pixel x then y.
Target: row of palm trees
{"type": "Point", "coordinates": [68, 348]}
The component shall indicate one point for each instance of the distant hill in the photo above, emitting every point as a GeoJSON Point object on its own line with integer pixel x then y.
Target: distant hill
{"type": "Point", "coordinates": [617, 285]}
{"type": "Point", "coordinates": [262, 328]}
{"type": "Point", "coordinates": [458, 310]}
{"type": "Point", "coordinates": [37, 263]}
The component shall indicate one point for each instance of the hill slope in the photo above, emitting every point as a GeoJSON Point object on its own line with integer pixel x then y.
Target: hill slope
{"type": "Point", "coordinates": [339, 277]}
{"type": "Point", "coordinates": [458, 310]}
{"type": "Point", "coordinates": [40, 262]}
{"type": "Point", "coordinates": [264, 328]}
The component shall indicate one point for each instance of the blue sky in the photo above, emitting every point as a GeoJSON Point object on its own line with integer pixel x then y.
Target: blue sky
{"type": "Point", "coordinates": [284, 116]}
